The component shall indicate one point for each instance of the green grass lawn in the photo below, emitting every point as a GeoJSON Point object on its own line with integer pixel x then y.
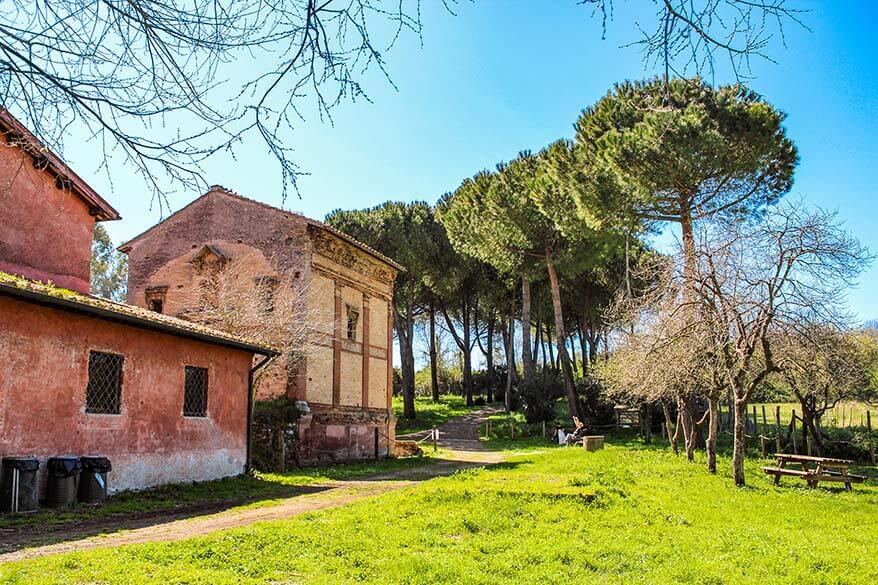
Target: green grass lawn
{"type": "Point", "coordinates": [263, 488]}
{"type": "Point", "coordinates": [552, 515]}
{"type": "Point", "coordinates": [429, 413]}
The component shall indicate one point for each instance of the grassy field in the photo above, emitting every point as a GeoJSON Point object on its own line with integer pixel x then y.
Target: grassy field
{"type": "Point", "coordinates": [263, 488]}
{"type": "Point", "coordinates": [844, 415]}
{"type": "Point", "coordinates": [429, 413]}
{"type": "Point", "coordinates": [549, 515]}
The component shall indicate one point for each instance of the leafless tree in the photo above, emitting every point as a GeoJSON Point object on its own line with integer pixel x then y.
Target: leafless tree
{"type": "Point", "coordinates": [167, 85]}
{"type": "Point", "coordinates": [688, 37]}
{"type": "Point", "coordinates": [270, 309]}
{"type": "Point", "coordinates": [755, 278]}
{"type": "Point", "coordinates": [659, 353]}
{"type": "Point", "coordinates": [823, 365]}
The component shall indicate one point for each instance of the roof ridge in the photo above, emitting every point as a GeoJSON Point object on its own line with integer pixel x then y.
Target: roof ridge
{"type": "Point", "coordinates": [220, 189]}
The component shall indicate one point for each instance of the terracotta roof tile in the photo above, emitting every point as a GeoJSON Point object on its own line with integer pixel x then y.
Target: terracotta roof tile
{"type": "Point", "coordinates": [135, 316]}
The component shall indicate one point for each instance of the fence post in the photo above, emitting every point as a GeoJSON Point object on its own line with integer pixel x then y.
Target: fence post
{"type": "Point", "coordinates": [762, 445]}
{"type": "Point", "coordinates": [793, 433]}
{"type": "Point", "coordinates": [281, 452]}
{"type": "Point", "coordinates": [871, 441]}
{"type": "Point", "coordinates": [435, 439]}
{"type": "Point", "coordinates": [777, 426]}
{"type": "Point", "coordinates": [755, 422]}
{"type": "Point", "coordinates": [808, 443]}
{"type": "Point", "coordinates": [512, 427]}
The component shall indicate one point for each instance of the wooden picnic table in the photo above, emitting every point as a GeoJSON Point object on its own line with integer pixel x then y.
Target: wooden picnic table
{"type": "Point", "coordinates": [813, 469]}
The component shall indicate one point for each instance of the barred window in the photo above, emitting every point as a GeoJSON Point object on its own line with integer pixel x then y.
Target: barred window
{"type": "Point", "coordinates": [104, 392]}
{"type": "Point", "coordinates": [195, 392]}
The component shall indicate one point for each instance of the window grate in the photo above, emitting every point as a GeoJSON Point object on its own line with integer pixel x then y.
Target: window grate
{"type": "Point", "coordinates": [104, 392]}
{"type": "Point", "coordinates": [195, 392]}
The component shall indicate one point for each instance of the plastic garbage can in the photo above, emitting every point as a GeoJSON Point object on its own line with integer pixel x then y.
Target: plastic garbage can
{"type": "Point", "coordinates": [63, 481]}
{"type": "Point", "coordinates": [19, 487]}
{"type": "Point", "coordinates": [93, 481]}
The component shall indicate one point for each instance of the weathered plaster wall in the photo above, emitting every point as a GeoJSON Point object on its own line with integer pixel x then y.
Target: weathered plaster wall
{"type": "Point", "coordinates": [46, 233]}
{"type": "Point", "coordinates": [43, 379]}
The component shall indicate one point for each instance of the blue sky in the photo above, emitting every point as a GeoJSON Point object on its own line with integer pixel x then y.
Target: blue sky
{"type": "Point", "coordinates": [505, 75]}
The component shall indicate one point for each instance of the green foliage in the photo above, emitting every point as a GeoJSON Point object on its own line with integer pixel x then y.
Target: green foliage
{"type": "Point", "coordinates": [538, 396]}
{"type": "Point", "coordinates": [271, 419]}
{"type": "Point", "coordinates": [558, 515]}
{"type": "Point", "coordinates": [430, 413]}
{"type": "Point", "coordinates": [109, 268]}
{"type": "Point", "coordinates": [685, 150]}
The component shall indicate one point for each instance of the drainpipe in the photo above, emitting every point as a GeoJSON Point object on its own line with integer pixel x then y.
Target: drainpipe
{"type": "Point", "coordinates": [251, 375]}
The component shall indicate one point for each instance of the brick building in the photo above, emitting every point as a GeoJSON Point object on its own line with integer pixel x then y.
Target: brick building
{"type": "Point", "coordinates": [345, 375]}
{"type": "Point", "coordinates": [165, 399]}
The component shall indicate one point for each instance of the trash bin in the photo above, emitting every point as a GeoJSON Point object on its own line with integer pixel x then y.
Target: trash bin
{"type": "Point", "coordinates": [19, 491]}
{"type": "Point", "coordinates": [63, 480]}
{"type": "Point", "coordinates": [93, 481]}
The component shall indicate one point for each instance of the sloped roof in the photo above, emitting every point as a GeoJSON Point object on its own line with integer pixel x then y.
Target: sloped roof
{"type": "Point", "coordinates": [229, 193]}
{"type": "Point", "coordinates": [60, 298]}
{"type": "Point", "coordinates": [15, 133]}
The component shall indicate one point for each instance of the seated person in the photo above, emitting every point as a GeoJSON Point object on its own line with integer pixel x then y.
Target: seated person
{"type": "Point", "coordinates": [578, 433]}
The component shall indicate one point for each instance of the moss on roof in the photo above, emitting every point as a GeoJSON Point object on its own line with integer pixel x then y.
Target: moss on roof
{"type": "Point", "coordinates": [130, 312]}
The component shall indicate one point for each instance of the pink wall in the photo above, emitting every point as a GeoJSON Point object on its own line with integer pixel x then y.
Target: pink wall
{"type": "Point", "coordinates": [46, 232]}
{"type": "Point", "coordinates": [43, 378]}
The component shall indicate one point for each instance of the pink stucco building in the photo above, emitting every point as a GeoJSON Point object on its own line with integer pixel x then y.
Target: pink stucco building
{"type": "Point", "coordinates": [164, 399]}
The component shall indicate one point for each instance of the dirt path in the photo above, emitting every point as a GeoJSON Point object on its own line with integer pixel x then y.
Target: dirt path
{"type": "Point", "coordinates": [461, 436]}
{"type": "Point", "coordinates": [458, 436]}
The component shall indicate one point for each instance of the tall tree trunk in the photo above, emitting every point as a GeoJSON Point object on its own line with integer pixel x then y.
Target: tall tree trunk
{"type": "Point", "coordinates": [549, 345]}
{"type": "Point", "coordinates": [539, 349]}
{"type": "Point", "coordinates": [489, 358]}
{"type": "Point", "coordinates": [583, 351]}
{"type": "Point", "coordinates": [560, 336]}
{"type": "Point", "coordinates": [404, 332]}
{"type": "Point", "coordinates": [712, 429]}
{"type": "Point", "coordinates": [509, 338]}
{"type": "Point", "coordinates": [434, 362]}
{"type": "Point", "coordinates": [739, 441]}
{"type": "Point", "coordinates": [672, 434]}
{"type": "Point", "coordinates": [526, 355]}
{"type": "Point", "coordinates": [809, 426]}
{"type": "Point", "coordinates": [687, 419]}
{"type": "Point", "coordinates": [467, 353]}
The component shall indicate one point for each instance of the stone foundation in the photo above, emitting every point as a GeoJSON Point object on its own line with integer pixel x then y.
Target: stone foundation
{"type": "Point", "coordinates": [334, 434]}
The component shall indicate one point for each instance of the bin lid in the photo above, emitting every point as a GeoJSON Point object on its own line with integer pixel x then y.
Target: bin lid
{"type": "Point", "coordinates": [64, 466]}
{"type": "Point", "coordinates": [97, 463]}
{"type": "Point", "coordinates": [21, 463]}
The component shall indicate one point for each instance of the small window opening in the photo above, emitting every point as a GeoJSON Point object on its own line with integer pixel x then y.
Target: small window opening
{"type": "Point", "coordinates": [266, 289]}
{"type": "Point", "coordinates": [103, 394]}
{"type": "Point", "coordinates": [155, 298]}
{"type": "Point", "coordinates": [353, 319]}
{"type": "Point", "coordinates": [195, 392]}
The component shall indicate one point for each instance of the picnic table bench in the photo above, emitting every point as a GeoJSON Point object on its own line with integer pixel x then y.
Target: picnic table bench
{"type": "Point", "coordinates": [813, 469]}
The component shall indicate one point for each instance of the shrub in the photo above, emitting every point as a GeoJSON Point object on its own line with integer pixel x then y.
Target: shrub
{"type": "Point", "coordinates": [272, 419]}
{"type": "Point", "coordinates": [538, 395]}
